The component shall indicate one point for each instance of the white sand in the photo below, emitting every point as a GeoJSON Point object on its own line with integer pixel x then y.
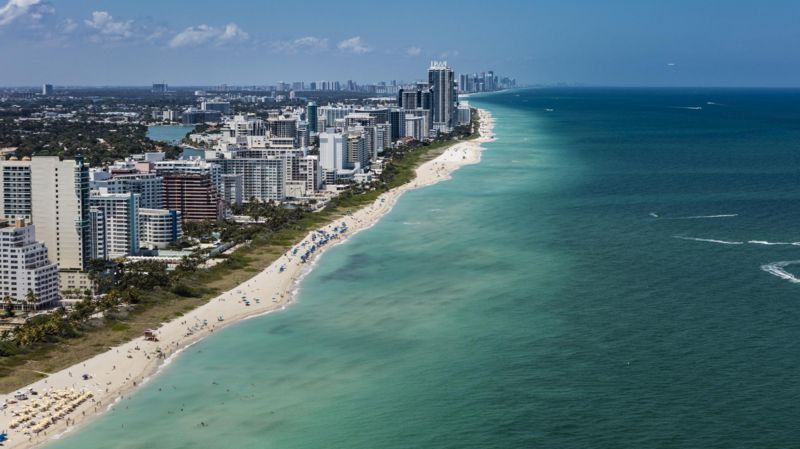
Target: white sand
{"type": "Point", "coordinates": [119, 370]}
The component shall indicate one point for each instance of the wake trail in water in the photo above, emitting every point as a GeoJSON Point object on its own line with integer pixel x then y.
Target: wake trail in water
{"type": "Point", "coordinates": [696, 239]}
{"type": "Point", "coordinates": [694, 217]}
{"type": "Point", "coordinates": [777, 269]}
{"type": "Point", "coordinates": [764, 242]}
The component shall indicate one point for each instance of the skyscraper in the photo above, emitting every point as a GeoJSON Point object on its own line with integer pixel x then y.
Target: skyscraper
{"type": "Point", "coordinates": [442, 81]}
{"type": "Point", "coordinates": [311, 117]}
{"type": "Point", "coordinates": [47, 89]}
{"type": "Point", "coordinates": [60, 210]}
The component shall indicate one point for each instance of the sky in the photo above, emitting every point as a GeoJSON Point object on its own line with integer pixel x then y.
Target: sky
{"type": "Point", "coordinates": [249, 42]}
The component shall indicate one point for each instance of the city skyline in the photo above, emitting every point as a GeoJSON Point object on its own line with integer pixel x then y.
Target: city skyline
{"type": "Point", "coordinates": [617, 43]}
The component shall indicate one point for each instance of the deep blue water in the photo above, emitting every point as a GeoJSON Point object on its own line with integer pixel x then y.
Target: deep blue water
{"type": "Point", "coordinates": [590, 284]}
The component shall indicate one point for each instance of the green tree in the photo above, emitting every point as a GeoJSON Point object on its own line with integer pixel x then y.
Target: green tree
{"type": "Point", "coordinates": [8, 304]}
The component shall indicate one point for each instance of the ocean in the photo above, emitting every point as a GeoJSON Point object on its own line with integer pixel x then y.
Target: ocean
{"type": "Point", "coordinates": [611, 275]}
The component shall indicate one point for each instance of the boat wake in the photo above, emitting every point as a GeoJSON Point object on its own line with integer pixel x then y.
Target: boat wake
{"type": "Point", "coordinates": [696, 239]}
{"type": "Point", "coordinates": [695, 217]}
{"type": "Point", "coordinates": [731, 242]}
{"type": "Point", "coordinates": [777, 269]}
{"type": "Point", "coordinates": [764, 242]}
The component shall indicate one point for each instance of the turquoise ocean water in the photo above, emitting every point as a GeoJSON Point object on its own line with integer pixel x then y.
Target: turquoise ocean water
{"type": "Point", "coordinates": [590, 284]}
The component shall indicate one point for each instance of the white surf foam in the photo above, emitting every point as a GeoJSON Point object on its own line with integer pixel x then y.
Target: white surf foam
{"type": "Point", "coordinates": [696, 239]}
{"type": "Point", "coordinates": [777, 269]}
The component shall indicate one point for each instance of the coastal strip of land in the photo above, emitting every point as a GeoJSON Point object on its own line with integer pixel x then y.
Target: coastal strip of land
{"type": "Point", "coordinates": [66, 399]}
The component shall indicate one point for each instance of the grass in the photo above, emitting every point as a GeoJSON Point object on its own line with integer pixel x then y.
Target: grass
{"type": "Point", "coordinates": [21, 369]}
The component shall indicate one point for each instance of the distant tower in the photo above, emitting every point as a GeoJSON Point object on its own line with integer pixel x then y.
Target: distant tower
{"type": "Point", "coordinates": [47, 89]}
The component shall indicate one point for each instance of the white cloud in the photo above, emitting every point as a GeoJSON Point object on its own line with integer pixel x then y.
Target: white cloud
{"type": "Point", "coordinates": [354, 45]}
{"type": "Point", "coordinates": [107, 28]}
{"type": "Point", "coordinates": [413, 51]}
{"type": "Point", "coordinates": [306, 43]}
{"type": "Point", "coordinates": [232, 33]}
{"type": "Point", "coordinates": [203, 34]}
{"type": "Point", "coordinates": [14, 9]}
{"type": "Point", "coordinates": [69, 25]}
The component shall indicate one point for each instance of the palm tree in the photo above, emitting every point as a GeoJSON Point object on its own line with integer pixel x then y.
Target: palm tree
{"type": "Point", "coordinates": [8, 302]}
{"type": "Point", "coordinates": [30, 298]}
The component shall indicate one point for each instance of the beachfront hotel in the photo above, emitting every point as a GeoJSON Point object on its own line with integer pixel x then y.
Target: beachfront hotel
{"type": "Point", "coordinates": [25, 268]}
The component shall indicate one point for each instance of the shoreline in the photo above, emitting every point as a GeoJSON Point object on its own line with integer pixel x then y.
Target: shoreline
{"type": "Point", "coordinates": [124, 368]}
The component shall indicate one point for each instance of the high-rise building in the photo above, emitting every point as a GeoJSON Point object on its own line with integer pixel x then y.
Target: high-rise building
{"type": "Point", "coordinates": [332, 155]}
{"type": "Point", "coordinates": [149, 187]}
{"type": "Point", "coordinates": [190, 166]}
{"type": "Point", "coordinates": [28, 277]}
{"type": "Point", "coordinates": [397, 118]}
{"type": "Point", "coordinates": [311, 117]}
{"type": "Point", "coordinates": [223, 107]}
{"type": "Point", "coordinates": [263, 177]}
{"type": "Point", "coordinates": [232, 185]}
{"type": "Point", "coordinates": [284, 126]}
{"type": "Point", "coordinates": [442, 81]}
{"type": "Point", "coordinates": [358, 154]}
{"type": "Point", "coordinates": [282, 131]}
{"type": "Point", "coordinates": [159, 227]}
{"type": "Point", "coordinates": [47, 89]}
{"type": "Point", "coordinates": [415, 127]}
{"type": "Point", "coordinates": [194, 116]}
{"type": "Point", "coordinates": [116, 225]}
{"type": "Point", "coordinates": [159, 88]}
{"type": "Point", "coordinates": [194, 195]}
{"type": "Point", "coordinates": [464, 114]}
{"type": "Point", "coordinates": [15, 188]}
{"type": "Point", "coordinates": [60, 209]}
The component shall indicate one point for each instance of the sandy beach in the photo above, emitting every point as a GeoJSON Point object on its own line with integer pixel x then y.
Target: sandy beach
{"type": "Point", "coordinates": [69, 398]}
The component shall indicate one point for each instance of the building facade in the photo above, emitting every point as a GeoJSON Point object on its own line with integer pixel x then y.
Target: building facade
{"type": "Point", "coordinates": [27, 278]}
{"type": "Point", "coordinates": [15, 189]}
{"type": "Point", "coordinates": [193, 195]}
{"type": "Point", "coordinates": [159, 227]}
{"type": "Point", "coordinates": [116, 225]}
